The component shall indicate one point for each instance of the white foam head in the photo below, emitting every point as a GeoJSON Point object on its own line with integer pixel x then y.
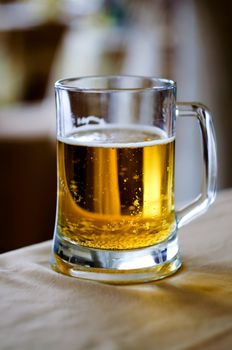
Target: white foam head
{"type": "Point", "coordinates": [108, 136]}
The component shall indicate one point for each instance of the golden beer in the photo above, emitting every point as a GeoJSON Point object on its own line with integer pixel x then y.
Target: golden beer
{"type": "Point", "coordinates": [116, 187]}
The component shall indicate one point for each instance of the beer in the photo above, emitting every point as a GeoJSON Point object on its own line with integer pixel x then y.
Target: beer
{"type": "Point", "coordinates": [116, 187]}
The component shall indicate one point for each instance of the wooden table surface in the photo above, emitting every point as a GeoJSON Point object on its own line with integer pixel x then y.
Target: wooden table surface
{"type": "Point", "coordinates": [41, 309]}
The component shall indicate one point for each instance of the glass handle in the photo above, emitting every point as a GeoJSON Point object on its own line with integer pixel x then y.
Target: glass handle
{"type": "Point", "coordinates": [208, 190]}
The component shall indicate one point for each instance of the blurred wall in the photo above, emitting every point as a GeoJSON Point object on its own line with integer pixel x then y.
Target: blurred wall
{"type": "Point", "coordinates": [28, 47]}
{"type": "Point", "coordinates": [215, 42]}
{"type": "Point", "coordinates": [185, 40]}
{"type": "Point", "coordinates": [28, 190]}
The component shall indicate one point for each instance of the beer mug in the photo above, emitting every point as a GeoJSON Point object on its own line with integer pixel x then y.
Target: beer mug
{"type": "Point", "coordinates": [116, 220]}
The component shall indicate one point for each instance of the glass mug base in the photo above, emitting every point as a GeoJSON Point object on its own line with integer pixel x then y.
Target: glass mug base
{"type": "Point", "coordinates": [117, 267]}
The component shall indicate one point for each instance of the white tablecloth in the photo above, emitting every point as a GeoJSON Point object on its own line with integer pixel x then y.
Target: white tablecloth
{"type": "Point", "coordinates": [41, 309]}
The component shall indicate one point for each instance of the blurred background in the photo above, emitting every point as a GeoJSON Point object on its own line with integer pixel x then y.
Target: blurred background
{"type": "Point", "coordinates": [42, 41]}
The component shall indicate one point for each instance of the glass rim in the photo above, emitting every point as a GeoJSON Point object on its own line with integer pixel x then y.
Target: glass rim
{"type": "Point", "coordinates": [66, 84]}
